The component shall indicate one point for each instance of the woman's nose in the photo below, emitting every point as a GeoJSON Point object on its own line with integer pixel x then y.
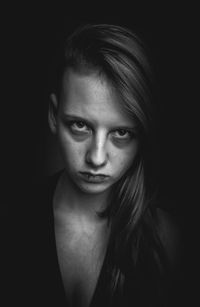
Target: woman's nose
{"type": "Point", "coordinates": [97, 154]}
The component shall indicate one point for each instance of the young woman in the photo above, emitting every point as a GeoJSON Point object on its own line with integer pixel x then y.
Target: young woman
{"type": "Point", "coordinates": [112, 243]}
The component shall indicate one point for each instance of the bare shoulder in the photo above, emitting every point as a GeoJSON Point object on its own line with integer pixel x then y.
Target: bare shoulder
{"type": "Point", "coordinates": [170, 235]}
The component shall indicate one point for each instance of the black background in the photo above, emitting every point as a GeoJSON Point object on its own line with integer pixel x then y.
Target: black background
{"type": "Point", "coordinates": [31, 35]}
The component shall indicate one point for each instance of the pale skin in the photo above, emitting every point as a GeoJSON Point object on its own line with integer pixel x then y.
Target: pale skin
{"type": "Point", "coordinates": [95, 136]}
{"type": "Point", "coordinates": [106, 143]}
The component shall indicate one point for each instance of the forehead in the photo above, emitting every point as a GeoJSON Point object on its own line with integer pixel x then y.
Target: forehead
{"type": "Point", "coordinates": [92, 96]}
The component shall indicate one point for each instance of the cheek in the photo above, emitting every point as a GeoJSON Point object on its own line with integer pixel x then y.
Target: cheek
{"type": "Point", "coordinates": [124, 159]}
{"type": "Point", "coordinates": [73, 152]}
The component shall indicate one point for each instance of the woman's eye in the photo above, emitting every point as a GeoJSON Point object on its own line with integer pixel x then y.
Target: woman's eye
{"type": "Point", "coordinates": [122, 134]}
{"type": "Point", "coordinates": [79, 126]}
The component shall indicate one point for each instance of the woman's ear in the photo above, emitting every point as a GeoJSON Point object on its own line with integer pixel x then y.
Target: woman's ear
{"type": "Point", "coordinates": [53, 108]}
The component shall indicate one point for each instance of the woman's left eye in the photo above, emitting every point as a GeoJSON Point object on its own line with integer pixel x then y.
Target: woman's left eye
{"type": "Point", "coordinates": [122, 134]}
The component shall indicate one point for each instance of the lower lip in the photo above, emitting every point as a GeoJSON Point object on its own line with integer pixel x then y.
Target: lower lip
{"type": "Point", "coordinates": [94, 179]}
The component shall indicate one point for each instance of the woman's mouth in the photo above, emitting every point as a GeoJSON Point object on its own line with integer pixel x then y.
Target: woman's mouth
{"type": "Point", "coordinates": [97, 178]}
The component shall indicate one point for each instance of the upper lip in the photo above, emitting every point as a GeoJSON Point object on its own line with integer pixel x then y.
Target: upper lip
{"type": "Point", "coordinates": [94, 174]}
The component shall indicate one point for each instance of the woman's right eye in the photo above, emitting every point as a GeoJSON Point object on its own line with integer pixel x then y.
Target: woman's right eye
{"type": "Point", "coordinates": [79, 126]}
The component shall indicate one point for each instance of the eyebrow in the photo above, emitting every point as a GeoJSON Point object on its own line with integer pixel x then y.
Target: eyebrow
{"type": "Point", "coordinates": [72, 117]}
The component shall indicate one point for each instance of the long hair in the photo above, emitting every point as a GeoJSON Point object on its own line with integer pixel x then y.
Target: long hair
{"type": "Point", "coordinates": [119, 54]}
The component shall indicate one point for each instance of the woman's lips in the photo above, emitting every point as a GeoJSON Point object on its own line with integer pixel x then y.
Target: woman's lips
{"type": "Point", "coordinates": [97, 178]}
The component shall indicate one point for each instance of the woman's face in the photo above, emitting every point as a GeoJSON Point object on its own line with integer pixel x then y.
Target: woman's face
{"type": "Point", "coordinates": [97, 138]}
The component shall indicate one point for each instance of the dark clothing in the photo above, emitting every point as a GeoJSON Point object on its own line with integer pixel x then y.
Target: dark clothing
{"type": "Point", "coordinates": [32, 272]}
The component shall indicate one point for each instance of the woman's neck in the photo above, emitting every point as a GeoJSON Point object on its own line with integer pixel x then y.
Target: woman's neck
{"type": "Point", "coordinates": [68, 197]}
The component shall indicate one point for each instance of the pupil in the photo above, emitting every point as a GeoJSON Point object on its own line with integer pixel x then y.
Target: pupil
{"type": "Point", "coordinates": [122, 132]}
{"type": "Point", "coordinates": [80, 124]}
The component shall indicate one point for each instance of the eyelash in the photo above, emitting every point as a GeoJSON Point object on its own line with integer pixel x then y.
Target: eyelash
{"type": "Point", "coordinates": [85, 131]}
